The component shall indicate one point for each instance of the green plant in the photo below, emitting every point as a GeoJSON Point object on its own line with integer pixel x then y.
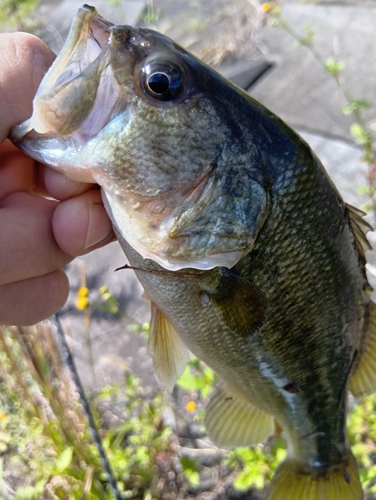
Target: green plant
{"type": "Point", "coordinates": [255, 466]}
{"type": "Point", "coordinates": [197, 377]}
{"type": "Point", "coordinates": [16, 13]}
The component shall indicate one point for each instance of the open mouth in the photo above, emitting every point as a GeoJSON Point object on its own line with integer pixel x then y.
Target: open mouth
{"type": "Point", "coordinates": [84, 48]}
{"type": "Point", "coordinates": [79, 93]}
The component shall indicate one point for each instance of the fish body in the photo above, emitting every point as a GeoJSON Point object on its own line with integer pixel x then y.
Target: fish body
{"type": "Point", "coordinates": [246, 250]}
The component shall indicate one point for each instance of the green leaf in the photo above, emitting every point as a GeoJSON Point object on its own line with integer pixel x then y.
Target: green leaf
{"type": "Point", "coordinates": [360, 135]}
{"type": "Point", "coordinates": [197, 377]}
{"type": "Point", "coordinates": [307, 39]}
{"type": "Point", "coordinates": [280, 455]}
{"type": "Point", "coordinates": [355, 105]}
{"type": "Point", "coordinates": [64, 459]}
{"type": "Point", "coordinates": [333, 66]}
{"type": "Point", "coordinates": [250, 476]}
{"type": "Point", "coordinates": [190, 471]}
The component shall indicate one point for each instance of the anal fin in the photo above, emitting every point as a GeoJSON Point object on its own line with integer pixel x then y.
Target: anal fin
{"type": "Point", "coordinates": [231, 420]}
{"type": "Point", "coordinates": [169, 352]}
{"type": "Point", "coordinates": [363, 383]}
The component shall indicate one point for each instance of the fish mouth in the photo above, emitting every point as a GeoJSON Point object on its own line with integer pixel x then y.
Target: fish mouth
{"type": "Point", "coordinates": [79, 94]}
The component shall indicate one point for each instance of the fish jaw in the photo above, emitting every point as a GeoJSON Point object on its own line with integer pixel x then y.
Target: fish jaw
{"type": "Point", "coordinates": [76, 99]}
{"type": "Point", "coordinates": [67, 83]}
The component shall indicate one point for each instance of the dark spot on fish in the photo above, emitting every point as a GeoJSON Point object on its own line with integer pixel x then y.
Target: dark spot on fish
{"type": "Point", "coordinates": [347, 477]}
{"type": "Point", "coordinates": [291, 388]}
{"type": "Point", "coordinates": [313, 407]}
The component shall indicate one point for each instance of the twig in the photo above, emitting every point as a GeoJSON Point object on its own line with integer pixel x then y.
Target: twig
{"type": "Point", "coordinates": [85, 404]}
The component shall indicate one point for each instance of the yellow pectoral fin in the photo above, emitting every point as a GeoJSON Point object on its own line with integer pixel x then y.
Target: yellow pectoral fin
{"type": "Point", "coordinates": [363, 383]}
{"type": "Point", "coordinates": [342, 483]}
{"type": "Point", "coordinates": [231, 420]}
{"type": "Point", "coordinates": [170, 354]}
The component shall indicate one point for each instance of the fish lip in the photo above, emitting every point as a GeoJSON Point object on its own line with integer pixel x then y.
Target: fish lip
{"type": "Point", "coordinates": [86, 25]}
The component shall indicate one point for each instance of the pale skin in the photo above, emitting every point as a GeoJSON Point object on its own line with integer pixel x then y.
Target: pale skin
{"type": "Point", "coordinates": [38, 236]}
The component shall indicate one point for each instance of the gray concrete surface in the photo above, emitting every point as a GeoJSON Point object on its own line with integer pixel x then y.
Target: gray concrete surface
{"type": "Point", "coordinates": [297, 89]}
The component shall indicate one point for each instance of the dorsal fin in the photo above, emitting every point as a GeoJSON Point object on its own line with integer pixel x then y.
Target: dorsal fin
{"type": "Point", "coordinates": [170, 354]}
{"type": "Point", "coordinates": [360, 228]}
{"type": "Point", "coordinates": [231, 420]}
{"type": "Point", "coordinates": [363, 383]}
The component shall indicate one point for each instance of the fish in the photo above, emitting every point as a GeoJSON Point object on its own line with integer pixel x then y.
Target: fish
{"type": "Point", "coordinates": [247, 252]}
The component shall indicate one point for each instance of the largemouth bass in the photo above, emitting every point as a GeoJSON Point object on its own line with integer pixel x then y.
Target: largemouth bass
{"type": "Point", "coordinates": [249, 255]}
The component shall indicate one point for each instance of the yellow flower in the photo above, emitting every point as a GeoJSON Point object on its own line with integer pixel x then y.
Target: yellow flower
{"type": "Point", "coordinates": [2, 415]}
{"type": "Point", "coordinates": [103, 289]}
{"type": "Point", "coordinates": [82, 303]}
{"type": "Point", "coordinates": [83, 291]}
{"type": "Point", "coordinates": [191, 406]}
{"type": "Point", "coordinates": [267, 6]}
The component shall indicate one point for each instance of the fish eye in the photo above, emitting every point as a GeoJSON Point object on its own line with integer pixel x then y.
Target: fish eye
{"type": "Point", "coordinates": [163, 80]}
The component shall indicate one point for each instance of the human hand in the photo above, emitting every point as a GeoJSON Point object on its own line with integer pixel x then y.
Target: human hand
{"type": "Point", "coordinates": [38, 236]}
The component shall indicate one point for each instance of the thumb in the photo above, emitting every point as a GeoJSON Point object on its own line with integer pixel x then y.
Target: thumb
{"type": "Point", "coordinates": [24, 60]}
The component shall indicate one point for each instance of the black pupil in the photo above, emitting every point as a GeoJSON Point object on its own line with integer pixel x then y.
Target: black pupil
{"type": "Point", "coordinates": [159, 83]}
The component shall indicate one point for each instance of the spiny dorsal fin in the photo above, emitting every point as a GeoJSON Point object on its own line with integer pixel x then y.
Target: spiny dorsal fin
{"type": "Point", "coordinates": [341, 482]}
{"type": "Point", "coordinates": [231, 420]}
{"type": "Point", "coordinates": [240, 304]}
{"type": "Point", "coordinates": [363, 383]}
{"type": "Point", "coordinates": [170, 354]}
{"type": "Point", "coordinates": [360, 228]}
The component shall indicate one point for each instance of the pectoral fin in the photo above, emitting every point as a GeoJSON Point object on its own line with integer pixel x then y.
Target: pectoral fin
{"type": "Point", "coordinates": [363, 383]}
{"type": "Point", "coordinates": [231, 420]}
{"type": "Point", "coordinates": [239, 303]}
{"type": "Point", "coordinates": [170, 354]}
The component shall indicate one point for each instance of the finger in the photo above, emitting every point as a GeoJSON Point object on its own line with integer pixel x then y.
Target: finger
{"type": "Point", "coordinates": [24, 60]}
{"type": "Point", "coordinates": [81, 224]}
{"type": "Point", "coordinates": [60, 187]}
{"type": "Point", "coordinates": [27, 302]}
{"type": "Point", "coordinates": [16, 171]}
{"type": "Point", "coordinates": [27, 245]}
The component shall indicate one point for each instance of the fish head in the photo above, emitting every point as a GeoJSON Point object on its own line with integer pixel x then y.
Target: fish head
{"type": "Point", "coordinates": [133, 111]}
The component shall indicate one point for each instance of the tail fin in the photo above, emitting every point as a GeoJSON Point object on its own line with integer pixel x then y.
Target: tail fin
{"type": "Point", "coordinates": [343, 483]}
